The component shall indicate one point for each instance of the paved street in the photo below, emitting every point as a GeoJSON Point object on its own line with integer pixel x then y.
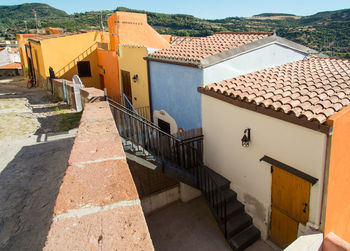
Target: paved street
{"type": "Point", "coordinates": [34, 153]}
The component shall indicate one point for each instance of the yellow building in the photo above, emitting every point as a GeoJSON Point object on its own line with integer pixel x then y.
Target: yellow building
{"type": "Point", "coordinates": [134, 77]}
{"type": "Point", "coordinates": [67, 54]}
{"type": "Point", "coordinates": [22, 40]}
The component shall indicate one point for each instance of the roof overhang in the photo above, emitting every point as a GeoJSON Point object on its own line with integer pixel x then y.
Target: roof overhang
{"type": "Point", "coordinates": [274, 39]}
{"type": "Point", "coordinates": [313, 125]}
{"type": "Point", "coordinates": [235, 52]}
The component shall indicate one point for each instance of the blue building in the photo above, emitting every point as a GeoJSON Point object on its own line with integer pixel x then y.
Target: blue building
{"type": "Point", "coordinates": [176, 73]}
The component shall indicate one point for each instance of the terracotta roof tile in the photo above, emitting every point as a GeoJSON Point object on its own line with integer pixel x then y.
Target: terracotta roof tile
{"type": "Point", "coordinates": [313, 89]}
{"type": "Point", "coordinates": [11, 66]}
{"type": "Point", "coordinates": [193, 50]}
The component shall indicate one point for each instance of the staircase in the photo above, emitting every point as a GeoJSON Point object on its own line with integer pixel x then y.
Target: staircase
{"type": "Point", "coordinates": [181, 159]}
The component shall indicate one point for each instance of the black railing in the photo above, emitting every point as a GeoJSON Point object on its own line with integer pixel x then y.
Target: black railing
{"type": "Point", "coordinates": [123, 100]}
{"type": "Point", "coordinates": [214, 195]}
{"type": "Point", "coordinates": [147, 139]}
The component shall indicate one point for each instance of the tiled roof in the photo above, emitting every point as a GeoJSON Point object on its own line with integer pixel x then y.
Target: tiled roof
{"type": "Point", "coordinates": [313, 89]}
{"type": "Point", "coordinates": [175, 40]}
{"type": "Point", "coordinates": [197, 49]}
{"type": "Point", "coordinates": [11, 66]}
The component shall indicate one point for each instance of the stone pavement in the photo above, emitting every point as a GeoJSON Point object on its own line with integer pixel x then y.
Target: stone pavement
{"type": "Point", "coordinates": [33, 160]}
{"type": "Point", "coordinates": [190, 226]}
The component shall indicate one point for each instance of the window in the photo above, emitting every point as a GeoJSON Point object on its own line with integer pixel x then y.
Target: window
{"type": "Point", "coordinates": [165, 126]}
{"type": "Point", "coordinates": [84, 69]}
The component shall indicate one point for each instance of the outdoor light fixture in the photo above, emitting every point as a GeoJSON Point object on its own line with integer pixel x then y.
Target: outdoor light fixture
{"type": "Point", "coordinates": [246, 137]}
{"type": "Point", "coordinates": [135, 78]}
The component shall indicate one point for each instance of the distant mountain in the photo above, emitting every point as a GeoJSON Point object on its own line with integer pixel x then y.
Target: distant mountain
{"type": "Point", "coordinates": [27, 10]}
{"type": "Point", "coordinates": [328, 31]}
{"type": "Point", "coordinates": [272, 14]}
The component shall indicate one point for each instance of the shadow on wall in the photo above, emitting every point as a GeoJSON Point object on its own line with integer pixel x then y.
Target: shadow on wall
{"type": "Point", "coordinates": [70, 69]}
{"type": "Point", "coordinates": [28, 191]}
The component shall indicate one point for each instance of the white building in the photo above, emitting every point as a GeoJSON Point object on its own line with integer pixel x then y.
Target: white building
{"type": "Point", "coordinates": [280, 177]}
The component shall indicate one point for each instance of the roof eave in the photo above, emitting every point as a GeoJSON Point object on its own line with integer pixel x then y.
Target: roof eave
{"type": "Point", "coordinates": [314, 125]}
{"type": "Point", "coordinates": [193, 64]}
{"type": "Point", "coordinates": [229, 54]}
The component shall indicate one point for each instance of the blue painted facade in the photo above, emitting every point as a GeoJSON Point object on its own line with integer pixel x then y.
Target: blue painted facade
{"type": "Point", "coordinates": [174, 89]}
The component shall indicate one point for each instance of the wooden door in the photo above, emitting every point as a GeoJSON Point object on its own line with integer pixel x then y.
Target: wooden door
{"type": "Point", "coordinates": [290, 206]}
{"type": "Point", "coordinates": [127, 85]}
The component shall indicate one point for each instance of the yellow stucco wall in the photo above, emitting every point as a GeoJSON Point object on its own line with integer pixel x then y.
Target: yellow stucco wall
{"type": "Point", "coordinates": [131, 60]}
{"type": "Point", "coordinates": [63, 53]}
{"type": "Point", "coordinates": [22, 40]}
{"type": "Point", "coordinates": [38, 64]}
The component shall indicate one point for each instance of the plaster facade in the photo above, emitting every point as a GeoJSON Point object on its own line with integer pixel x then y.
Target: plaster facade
{"type": "Point", "coordinates": [260, 58]}
{"type": "Point", "coordinates": [174, 87]}
{"type": "Point", "coordinates": [131, 60]}
{"type": "Point", "coordinates": [174, 90]}
{"type": "Point", "coordinates": [63, 53]}
{"type": "Point", "coordinates": [296, 146]}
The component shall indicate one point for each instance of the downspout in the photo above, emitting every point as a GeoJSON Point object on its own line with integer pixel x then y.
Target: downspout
{"type": "Point", "coordinates": [149, 90]}
{"type": "Point", "coordinates": [319, 224]}
{"type": "Point", "coordinates": [325, 180]}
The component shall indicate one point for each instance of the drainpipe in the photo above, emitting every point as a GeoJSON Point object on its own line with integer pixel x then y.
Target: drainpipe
{"type": "Point", "coordinates": [149, 90]}
{"type": "Point", "coordinates": [319, 224]}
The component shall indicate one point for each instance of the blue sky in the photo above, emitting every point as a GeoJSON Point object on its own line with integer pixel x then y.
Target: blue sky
{"type": "Point", "coordinates": [210, 9]}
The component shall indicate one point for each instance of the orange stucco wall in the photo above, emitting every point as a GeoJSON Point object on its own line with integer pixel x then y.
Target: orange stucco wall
{"type": "Point", "coordinates": [338, 197]}
{"type": "Point", "coordinates": [125, 28]}
{"type": "Point", "coordinates": [132, 29]}
{"type": "Point", "coordinates": [108, 67]}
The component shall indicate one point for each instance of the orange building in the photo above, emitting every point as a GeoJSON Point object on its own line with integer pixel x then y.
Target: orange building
{"type": "Point", "coordinates": [125, 29]}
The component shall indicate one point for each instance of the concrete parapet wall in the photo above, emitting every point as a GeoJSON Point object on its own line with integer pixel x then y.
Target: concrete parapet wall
{"type": "Point", "coordinates": [88, 95]}
{"type": "Point", "coordinates": [97, 207]}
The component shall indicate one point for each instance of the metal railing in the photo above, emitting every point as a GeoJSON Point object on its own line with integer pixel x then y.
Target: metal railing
{"type": "Point", "coordinates": [148, 140]}
{"type": "Point", "coordinates": [213, 194]}
{"type": "Point", "coordinates": [123, 100]}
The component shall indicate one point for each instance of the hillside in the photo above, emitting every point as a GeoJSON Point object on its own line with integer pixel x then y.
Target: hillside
{"type": "Point", "coordinates": [328, 32]}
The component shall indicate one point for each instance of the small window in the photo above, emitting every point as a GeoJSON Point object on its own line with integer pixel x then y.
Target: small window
{"type": "Point", "coordinates": [165, 126]}
{"type": "Point", "coordinates": [84, 69]}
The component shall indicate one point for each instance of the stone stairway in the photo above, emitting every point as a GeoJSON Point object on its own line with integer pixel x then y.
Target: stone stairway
{"type": "Point", "coordinates": [181, 161]}
{"type": "Point", "coordinates": [241, 232]}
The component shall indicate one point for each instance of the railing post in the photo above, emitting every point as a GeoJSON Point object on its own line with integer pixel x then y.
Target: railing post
{"type": "Point", "coordinates": [105, 94]}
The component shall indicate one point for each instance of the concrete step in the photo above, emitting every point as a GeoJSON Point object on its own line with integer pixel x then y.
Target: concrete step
{"type": "Point", "coordinates": [228, 195]}
{"type": "Point", "coordinates": [221, 181]}
{"type": "Point", "coordinates": [233, 208]}
{"type": "Point", "coordinates": [140, 153]}
{"type": "Point", "coordinates": [237, 224]}
{"type": "Point", "coordinates": [245, 238]}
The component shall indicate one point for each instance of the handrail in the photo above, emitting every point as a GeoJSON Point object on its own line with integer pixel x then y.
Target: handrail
{"type": "Point", "coordinates": [186, 154]}
{"type": "Point", "coordinates": [123, 107]}
{"type": "Point", "coordinates": [138, 117]}
{"type": "Point", "coordinates": [129, 103]}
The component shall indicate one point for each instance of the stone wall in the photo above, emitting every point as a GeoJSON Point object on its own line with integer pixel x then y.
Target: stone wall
{"type": "Point", "coordinates": [97, 207]}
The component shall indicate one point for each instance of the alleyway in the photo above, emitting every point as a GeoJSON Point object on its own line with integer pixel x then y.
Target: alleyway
{"type": "Point", "coordinates": [35, 142]}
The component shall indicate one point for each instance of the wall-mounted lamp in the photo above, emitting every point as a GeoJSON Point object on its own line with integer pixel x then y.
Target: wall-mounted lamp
{"type": "Point", "coordinates": [135, 78]}
{"type": "Point", "coordinates": [246, 137]}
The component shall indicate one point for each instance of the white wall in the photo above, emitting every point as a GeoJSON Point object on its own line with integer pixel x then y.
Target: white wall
{"type": "Point", "coordinates": [8, 58]}
{"type": "Point", "coordinates": [299, 147]}
{"type": "Point", "coordinates": [265, 57]}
